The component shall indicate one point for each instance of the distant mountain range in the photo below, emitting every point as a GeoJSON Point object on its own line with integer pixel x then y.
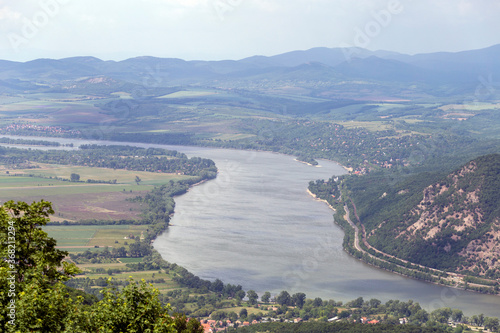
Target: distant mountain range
{"type": "Point", "coordinates": [431, 70]}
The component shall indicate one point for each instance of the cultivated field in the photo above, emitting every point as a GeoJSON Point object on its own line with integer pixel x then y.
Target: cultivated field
{"type": "Point", "coordinates": [80, 238]}
{"type": "Point", "coordinates": [75, 201]}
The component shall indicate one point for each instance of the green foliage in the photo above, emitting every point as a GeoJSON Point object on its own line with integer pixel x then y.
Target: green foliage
{"type": "Point", "coordinates": [34, 252]}
{"type": "Point", "coordinates": [321, 327]}
{"type": "Point", "coordinates": [37, 301]}
{"type": "Point", "coordinates": [116, 157]}
{"type": "Point", "coordinates": [31, 270]}
{"type": "Point", "coordinates": [252, 297]}
{"type": "Point", "coordinates": [74, 177]}
{"type": "Point", "coordinates": [266, 297]}
{"type": "Point", "coordinates": [136, 308]}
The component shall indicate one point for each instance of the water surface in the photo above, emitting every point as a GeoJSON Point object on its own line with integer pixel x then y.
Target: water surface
{"type": "Point", "coordinates": [257, 226]}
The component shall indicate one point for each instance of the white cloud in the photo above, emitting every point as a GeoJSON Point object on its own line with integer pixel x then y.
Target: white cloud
{"type": "Point", "coordinates": [194, 29]}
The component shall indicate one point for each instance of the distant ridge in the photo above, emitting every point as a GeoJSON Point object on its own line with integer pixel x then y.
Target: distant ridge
{"type": "Point", "coordinates": [451, 70]}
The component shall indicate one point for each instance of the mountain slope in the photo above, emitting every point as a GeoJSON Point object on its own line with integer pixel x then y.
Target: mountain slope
{"type": "Point", "coordinates": [456, 224]}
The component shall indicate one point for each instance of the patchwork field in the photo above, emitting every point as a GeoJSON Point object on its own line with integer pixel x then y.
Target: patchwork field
{"type": "Point", "coordinates": [75, 201]}
{"type": "Point", "coordinates": [80, 238]}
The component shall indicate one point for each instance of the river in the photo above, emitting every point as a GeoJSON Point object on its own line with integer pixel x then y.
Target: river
{"type": "Point", "coordinates": [257, 226]}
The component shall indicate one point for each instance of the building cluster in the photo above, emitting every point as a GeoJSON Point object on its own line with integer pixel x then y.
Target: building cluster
{"type": "Point", "coordinates": [13, 128]}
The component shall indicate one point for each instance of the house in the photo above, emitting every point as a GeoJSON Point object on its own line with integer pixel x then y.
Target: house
{"type": "Point", "coordinates": [374, 321]}
{"type": "Point", "coordinates": [403, 321]}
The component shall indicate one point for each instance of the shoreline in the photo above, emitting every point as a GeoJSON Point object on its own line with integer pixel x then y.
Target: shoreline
{"type": "Point", "coordinates": [316, 166]}
{"type": "Point", "coordinates": [137, 144]}
{"type": "Point", "coordinates": [322, 200]}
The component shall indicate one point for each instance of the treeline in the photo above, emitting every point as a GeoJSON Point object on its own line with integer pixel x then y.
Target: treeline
{"type": "Point", "coordinates": [115, 157]}
{"type": "Point", "coordinates": [319, 327]}
{"type": "Point", "coordinates": [33, 142]}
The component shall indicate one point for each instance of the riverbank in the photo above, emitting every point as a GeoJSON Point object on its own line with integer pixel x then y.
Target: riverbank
{"type": "Point", "coordinates": [406, 268]}
{"type": "Point", "coordinates": [322, 200]}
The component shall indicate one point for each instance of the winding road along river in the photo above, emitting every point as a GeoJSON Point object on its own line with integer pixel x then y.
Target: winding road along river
{"type": "Point", "coordinates": [257, 226]}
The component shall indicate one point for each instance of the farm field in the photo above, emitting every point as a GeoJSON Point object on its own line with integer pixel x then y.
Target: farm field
{"type": "Point", "coordinates": [80, 238]}
{"type": "Point", "coordinates": [75, 201]}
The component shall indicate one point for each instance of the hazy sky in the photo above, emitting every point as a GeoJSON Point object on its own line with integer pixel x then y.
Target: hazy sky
{"type": "Point", "coordinates": [234, 29]}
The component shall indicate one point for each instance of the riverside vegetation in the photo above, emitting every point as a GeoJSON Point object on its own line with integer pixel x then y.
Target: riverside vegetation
{"type": "Point", "coordinates": [400, 133]}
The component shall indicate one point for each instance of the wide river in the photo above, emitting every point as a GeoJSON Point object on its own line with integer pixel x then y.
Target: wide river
{"type": "Point", "coordinates": [257, 226]}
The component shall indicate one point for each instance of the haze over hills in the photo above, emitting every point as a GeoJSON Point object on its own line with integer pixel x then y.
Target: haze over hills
{"type": "Point", "coordinates": [440, 73]}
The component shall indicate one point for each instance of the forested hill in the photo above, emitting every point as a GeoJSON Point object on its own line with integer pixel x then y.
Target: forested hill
{"type": "Point", "coordinates": [452, 224]}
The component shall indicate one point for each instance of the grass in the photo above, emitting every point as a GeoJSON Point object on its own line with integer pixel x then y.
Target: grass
{"type": "Point", "coordinates": [93, 235]}
{"type": "Point", "coordinates": [130, 260]}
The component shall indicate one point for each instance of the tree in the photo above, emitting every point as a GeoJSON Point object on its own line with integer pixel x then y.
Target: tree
{"type": "Point", "coordinates": [491, 324]}
{"type": "Point", "coordinates": [218, 315]}
{"type": "Point", "coordinates": [232, 316]}
{"type": "Point", "coordinates": [239, 295]}
{"type": "Point", "coordinates": [283, 298]}
{"type": "Point", "coordinates": [137, 180]}
{"type": "Point", "coordinates": [35, 252]}
{"type": "Point", "coordinates": [74, 177]}
{"type": "Point", "coordinates": [136, 308]}
{"type": "Point", "coordinates": [217, 285]}
{"type": "Point", "coordinates": [456, 315]}
{"type": "Point", "coordinates": [299, 299]}
{"type": "Point", "coordinates": [252, 297]}
{"type": "Point", "coordinates": [32, 271]}
{"type": "Point", "coordinates": [374, 303]}
{"type": "Point", "coordinates": [344, 314]}
{"type": "Point", "coordinates": [357, 303]}
{"type": "Point", "coordinates": [266, 297]}
{"type": "Point", "coordinates": [317, 302]}
{"type": "Point", "coordinates": [243, 313]}
{"type": "Point", "coordinates": [441, 315]}
{"type": "Point", "coordinates": [182, 325]}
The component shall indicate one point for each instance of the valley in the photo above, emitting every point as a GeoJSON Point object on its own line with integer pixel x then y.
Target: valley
{"type": "Point", "coordinates": [397, 126]}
